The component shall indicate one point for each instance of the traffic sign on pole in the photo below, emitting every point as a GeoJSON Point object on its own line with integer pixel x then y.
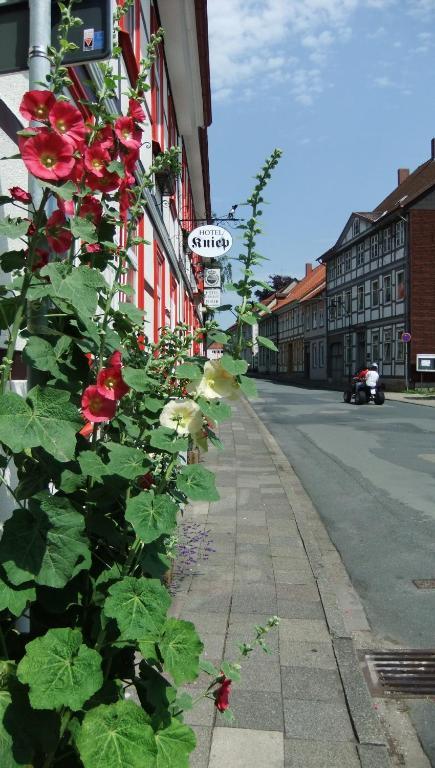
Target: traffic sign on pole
{"type": "Point", "coordinates": [405, 337]}
{"type": "Point", "coordinates": [93, 38]}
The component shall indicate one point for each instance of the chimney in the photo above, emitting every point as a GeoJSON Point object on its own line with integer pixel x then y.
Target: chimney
{"type": "Point", "coordinates": [308, 269]}
{"type": "Point", "coordinates": [403, 174]}
{"type": "Point", "coordinates": [432, 149]}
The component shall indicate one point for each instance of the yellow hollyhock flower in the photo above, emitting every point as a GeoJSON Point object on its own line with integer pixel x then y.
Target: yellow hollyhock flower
{"type": "Point", "coordinates": [184, 416]}
{"type": "Point", "coordinates": [216, 383]}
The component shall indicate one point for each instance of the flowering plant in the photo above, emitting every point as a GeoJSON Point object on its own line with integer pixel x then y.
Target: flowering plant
{"type": "Point", "coordinates": [97, 444]}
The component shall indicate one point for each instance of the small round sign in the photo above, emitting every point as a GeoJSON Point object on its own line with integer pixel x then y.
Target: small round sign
{"type": "Point", "coordinates": [405, 337]}
{"type": "Point", "coordinates": [210, 241]}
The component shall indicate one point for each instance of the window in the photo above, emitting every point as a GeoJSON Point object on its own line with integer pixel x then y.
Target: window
{"type": "Point", "coordinates": [355, 227]}
{"type": "Point", "coordinates": [360, 254]}
{"type": "Point", "coordinates": [387, 346]}
{"type": "Point", "coordinates": [159, 291]}
{"type": "Point", "coordinates": [321, 315]}
{"type": "Point", "coordinates": [314, 351]}
{"type": "Point", "coordinates": [321, 354]}
{"type": "Point", "coordinates": [375, 293]}
{"type": "Point", "coordinates": [361, 298]}
{"type": "Point", "coordinates": [174, 302]}
{"type": "Point", "coordinates": [314, 318]}
{"type": "Point", "coordinates": [400, 353]}
{"type": "Point", "coordinates": [387, 239]}
{"type": "Point", "coordinates": [400, 233]}
{"type": "Point", "coordinates": [348, 261]}
{"type": "Point", "coordinates": [375, 346]}
{"type": "Point", "coordinates": [387, 289]}
{"type": "Point", "coordinates": [339, 268]}
{"type": "Point", "coordinates": [331, 270]}
{"type": "Point", "coordinates": [339, 305]}
{"type": "Point", "coordinates": [307, 319]}
{"type": "Point", "coordinates": [348, 349]}
{"type": "Point", "coordinates": [348, 302]}
{"type": "Point", "coordinates": [374, 247]}
{"type": "Point", "coordinates": [400, 285]}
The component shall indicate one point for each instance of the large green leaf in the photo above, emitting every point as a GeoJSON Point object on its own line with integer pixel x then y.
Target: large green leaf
{"type": "Point", "coordinates": [91, 465]}
{"type": "Point", "coordinates": [13, 260]}
{"type": "Point", "coordinates": [126, 462]}
{"type": "Point", "coordinates": [174, 744]}
{"type": "Point", "coordinates": [151, 515]}
{"type": "Point", "coordinates": [134, 314]}
{"type": "Point", "coordinates": [137, 379]}
{"type": "Point", "coordinates": [13, 227]}
{"type": "Point", "coordinates": [7, 759]}
{"type": "Point", "coordinates": [44, 543]}
{"type": "Point", "coordinates": [78, 287]}
{"type": "Point", "coordinates": [188, 371]}
{"type": "Point", "coordinates": [139, 606]}
{"type": "Point", "coordinates": [268, 343]}
{"type": "Point", "coordinates": [60, 670]}
{"type": "Point", "coordinates": [216, 410]}
{"type": "Point", "coordinates": [219, 336]}
{"type": "Point", "coordinates": [232, 366]}
{"type": "Point", "coordinates": [248, 386]}
{"type": "Point", "coordinates": [167, 440]}
{"type": "Point", "coordinates": [197, 483]}
{"type": "Point", "coordinates": [45, 418]}
{"type": "Point", "coordinates": [84, 229]}
{"type": "Point", "coordinates": [117, 736]}
{"type": "Point", "coordinates": [43, 356]}
{"type": "Point", "coordinates": [15, 599]}
{"type": "Point", "coordinates": [181, 648]}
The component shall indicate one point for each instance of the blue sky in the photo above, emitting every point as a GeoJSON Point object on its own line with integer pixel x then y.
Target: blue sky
{"type": "Point", "coordinates": [346, 88]}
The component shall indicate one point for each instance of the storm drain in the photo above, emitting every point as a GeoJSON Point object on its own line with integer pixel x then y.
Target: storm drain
{"type": "Point", "coordinates": [399, 673]}
{"type": "Point", "coordinates": [424, 583]}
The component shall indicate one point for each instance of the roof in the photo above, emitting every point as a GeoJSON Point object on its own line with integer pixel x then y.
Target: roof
{"type": "Point", "coordinates": [418, 182]}
{"type": "Point", "coordinates": [215, 345]}
{"type": "Point", "coordinates": [315, 292]}
{"type": "Point", "coordinates": [308, 284]}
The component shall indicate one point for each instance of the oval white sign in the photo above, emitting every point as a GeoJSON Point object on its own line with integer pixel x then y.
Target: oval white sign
{"type": "Point", "coordinates": [210, 241]}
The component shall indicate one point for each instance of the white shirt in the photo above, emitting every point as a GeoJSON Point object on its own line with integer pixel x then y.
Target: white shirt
{"type": "Point", "coordinates": [372, 378]}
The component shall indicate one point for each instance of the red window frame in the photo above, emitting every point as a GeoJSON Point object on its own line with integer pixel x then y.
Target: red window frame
{"type": "Point", "coordinates": [157, 91]}
{"type": "Point", "coordinates": [174, 300]}
{"type": "Point", "coordinates": [159, 291]}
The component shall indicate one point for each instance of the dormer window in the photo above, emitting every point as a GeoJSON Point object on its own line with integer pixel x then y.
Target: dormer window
{"type": "Point", "coordinates": [355, 227]}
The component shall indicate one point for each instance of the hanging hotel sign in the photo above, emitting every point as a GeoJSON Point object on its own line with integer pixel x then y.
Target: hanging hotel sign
{"type": "Point", "coordinates": [212, 278]}
{"type": "Point", "coordinates": [210, 241]}
{"type": "Point", "coordinates": [212, 297]}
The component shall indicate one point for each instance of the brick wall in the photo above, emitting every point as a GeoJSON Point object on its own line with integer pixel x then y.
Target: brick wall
{"type": "Point", "coordinates": [422, 284]}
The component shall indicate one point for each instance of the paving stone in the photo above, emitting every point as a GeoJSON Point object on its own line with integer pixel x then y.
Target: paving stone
{"type": "Point", "coordinates": [308, 683]}
{"type": "Point", "coordinates": [213, 645]}
{"type": "Point", "coordinates": [207, 622]}
{"type": "Point", "coordinates": [373, 756]}
{"type": "Point", "coordinates": [317, 721]}
{"type": "Point", "coordinates": [203, 713]}
{"type": "Point", "coordinates": [251, 603]}
{"type": "Point", "coordinates": [317, 655]}
{"type": "Point", "coordinates": [305, 592]}
{"type": "Point", "coordinates": [303, 630]}
{"type": "Point", "coordinates": [305, 754]}
{"type": "Point", "coordinates": [210, 603]}
{"type": "Point", "coordinates": [295, 577]}
{"type": "Point", "coordinates": [260, 675]}
{"type": "Point", "coordinates": [200, 756]}
{"type": "Point", "coordinates": [260, 711]}
{"type": "Point", "coordinates": [299, 609]}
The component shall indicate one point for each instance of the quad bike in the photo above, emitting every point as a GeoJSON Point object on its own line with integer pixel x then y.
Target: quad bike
{"type": "Point", "coordinates": [364, 395]}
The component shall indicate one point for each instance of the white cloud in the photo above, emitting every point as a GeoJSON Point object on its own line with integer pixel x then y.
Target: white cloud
{"type": "Point", "coordinates": [383, 82]}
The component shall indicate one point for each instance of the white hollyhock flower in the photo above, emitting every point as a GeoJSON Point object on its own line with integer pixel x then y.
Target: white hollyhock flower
{"type": "Point", "coordinates": [215, 383]}
{"type": "Point", "coordinates": [184, 416]}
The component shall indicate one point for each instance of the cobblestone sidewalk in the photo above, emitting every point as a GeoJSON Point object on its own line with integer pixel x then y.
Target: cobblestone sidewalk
{"type": "Point", "coordinates": [305, 705]}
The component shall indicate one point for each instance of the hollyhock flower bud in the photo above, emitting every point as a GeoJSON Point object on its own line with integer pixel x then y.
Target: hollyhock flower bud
{"type": "Point", "coordinates": [90, 358]}
{"type": "Point", "coordinates": [93, 248]}
{"type": "Point", "coordinates": [222, 695]}
{"type": "Point", "coordinates": [115, 360]}
{"type": "Point", "coordinates": [135, 110]}
{"type": "Point", "coordinates": [42, 259]}
{"type": "Point", "coordinates": [127, 132]}
{"type": "Point", "coordinates": [66, 120]}
{"type": "Point", "coordinates": [47, 155]}
{"type": "Point", "coordinates": [87, 430]}
{"type": "Point", "coordinates": [20, 195]}
{"type": "Point", "coordinates": [31, 231]}
{"type": "Point", "coordinates": [96, 159]}
{"type": "Point", "coordinates": [110, 383]}
{"type": "Point", "coordinates": [91, 209]}
{"type": "Point", "coordinates": [35, 105]}
{"type": "Point", "coordinates": [95, 407]}
{"type": "Point", "coordinates": [58, 235]}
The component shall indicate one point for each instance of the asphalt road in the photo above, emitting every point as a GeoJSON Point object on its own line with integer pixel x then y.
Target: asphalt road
{"type": "Point", "coordinates": [370, 472]}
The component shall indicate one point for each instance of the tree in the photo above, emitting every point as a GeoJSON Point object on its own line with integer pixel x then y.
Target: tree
{"type": "Point", "coordinates": [277, 283]}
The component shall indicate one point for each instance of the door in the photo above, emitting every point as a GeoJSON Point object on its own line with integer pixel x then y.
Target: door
{"type": "Point", "coordinates": [307, 361]}
{"type": "Point", "coordinates": [361, 359]}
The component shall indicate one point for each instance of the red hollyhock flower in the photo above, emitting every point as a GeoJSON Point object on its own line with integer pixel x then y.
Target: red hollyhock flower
{"type": "Point", "coordinates": [115, 360]}
{"type": "Point", "coordinates": [47, 155]}
{"type": "Point", "coordinates": [135, 110]}
{"type": "Point", "coordinates": [31, 230]}
{"type": "Point", "coordinates": [107, 183]}
{"type": "Point", "coordinates": [96, 407]}
{"type": "Point", "coordinates": [126, 198]}
{"type": "Point", "coordinates": [35, 105]}
{"type": "Point", "coordinates": [110, 383]}
{"type": "Point", "coordinates": [66, 119]}
{"type": "Point", "coordinates": [78, 172]}
{"type": "Point", "coordinates": [222, 695]}
{"type": "Point", "coordinates": [87, 430]}
{"type": "Point", "coordinates": [66, 206]}
{"type": "Point", "coordinates": [129, 160]}
{"type": "Point", "coordinates": [42, 259]}
{"type": "Point", "coordinates": [146, 481]}
{"type": "Point", "coordinates": [91, 208]}
{"type": "Point", "coordinates": [128, 132]}
{"type": "Point", "coordinates": [90, 358]}
{"type": "Point", "coordinates": [93, 248]}
{"type": "Point", "coordinates": [105, 137]}
{"type": "Point", "coordinates": [58, 235]}
{"type": "Point", "coordinates": [96, 159]}
{"type": "Point", "coordinates": [20, 195]}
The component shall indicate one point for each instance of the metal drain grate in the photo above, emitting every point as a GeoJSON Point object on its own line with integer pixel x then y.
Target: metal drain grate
{"type": "Point", "coordinates": [400, 673]}
{"type": "Point", "coordinates": [424, 583]}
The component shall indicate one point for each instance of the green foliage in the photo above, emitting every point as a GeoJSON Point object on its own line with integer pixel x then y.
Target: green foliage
{"type": "Point", "coordinates": [138, 605]}
{"type": "Point", "coordinates": [181, 648]}
{"type": "Point", "coordinates": [151, 515]}
{"type": "Point", "coordinates": [115, 736]}
{"type": "Point", "coordinates": [265, 342]}
{"type": "Point", "coordinates": [197, 483]}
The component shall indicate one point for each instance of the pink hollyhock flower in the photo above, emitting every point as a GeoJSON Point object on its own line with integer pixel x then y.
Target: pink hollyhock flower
{"type": "Point", "coordinates": [105, 137]}
{"type": "Point", "coordinates": [128, 132]}
{"type": "Point", "coordinates": [91, 208]}
{"type": "Point", "coordinates": [115, 360]}
{"type": "Point", "coordinates": [66, 119]}
{"type": "Point", "coordinates": [107, 183]}
{"type": "Point", "coordinates": [20, 195]}
{"type": "Point", "coordinates": [47, 155]}
{"type": "Point", "coordinates": [93, 248]}
{"type": "Point", "coordinates": [42, 259]}
{"type": "Point", "coordinates": [87, 430]}
{"type": "Point", "coordinates": [58, 235]}
{"type": "Point", "coordinates": [129, 160]}
{"type": "Point", "coordinates": [96, 407]}
{"type": "Point", "coordinates": [66, 206]}
{"type": "Point", "coordinates": [96, 159]}
{"type": "Point", "coordinates": [222, 695]}
{"type": "Point", "coordinates": [135, 110]}
{"type": "Point", "coordinates": [35, 105]}
{"type": "Point", "coordinates": [110, 383]}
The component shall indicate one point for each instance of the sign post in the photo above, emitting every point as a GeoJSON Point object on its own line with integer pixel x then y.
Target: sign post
{"type": "Point", "coordinates": [406, 338]}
